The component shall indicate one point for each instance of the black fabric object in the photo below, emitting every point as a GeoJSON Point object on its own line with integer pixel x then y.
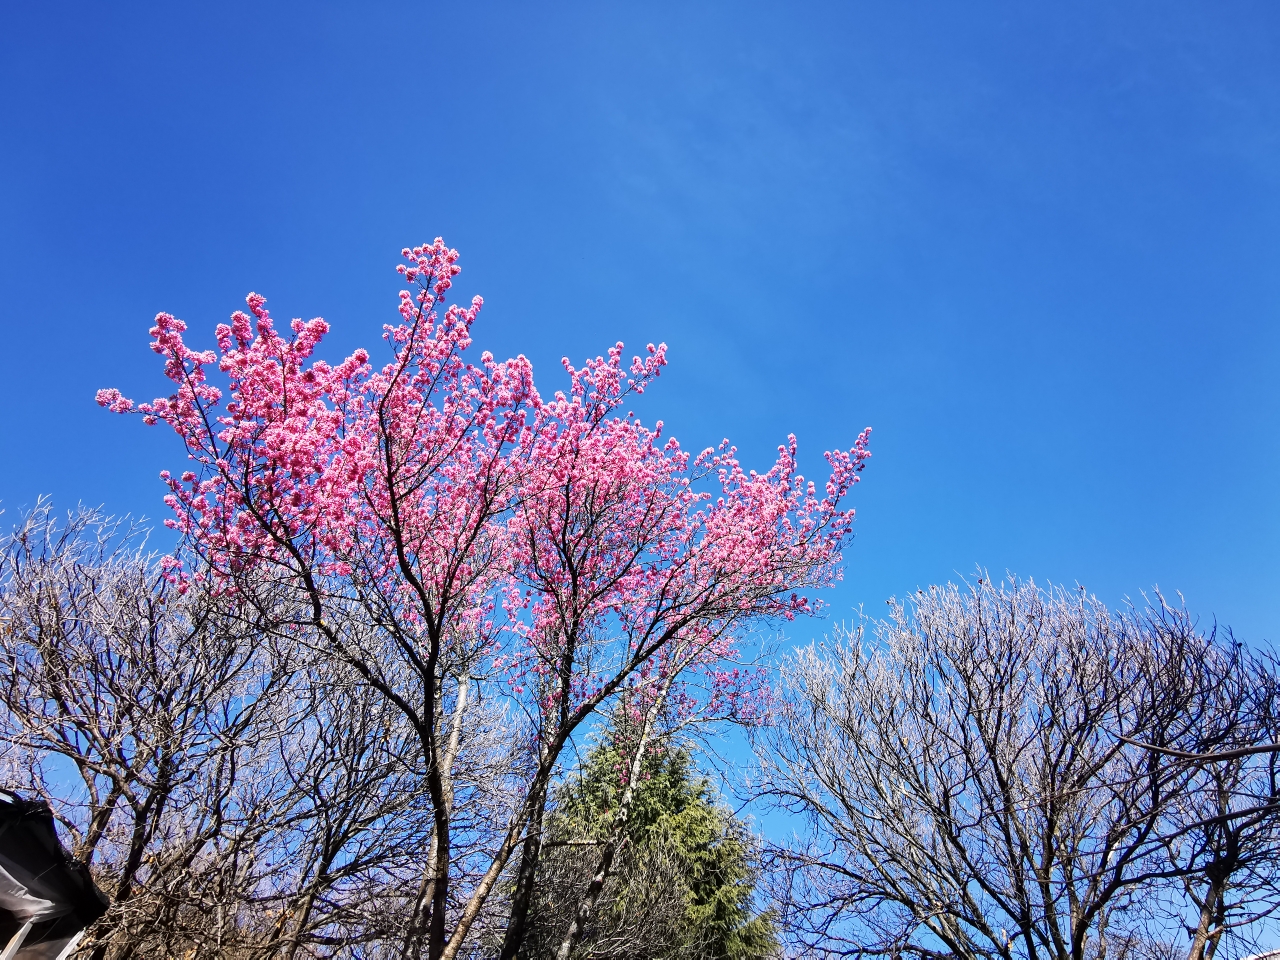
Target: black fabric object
{"type": "Point", "coordinates": [31, 854]}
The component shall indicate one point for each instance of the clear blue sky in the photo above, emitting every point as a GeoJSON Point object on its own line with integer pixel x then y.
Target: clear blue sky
{"type": "Point", "coordinates": [1035, 246]}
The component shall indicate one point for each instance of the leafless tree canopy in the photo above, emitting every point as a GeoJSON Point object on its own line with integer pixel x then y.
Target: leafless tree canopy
{"type": "Point", "coordinates": [978, 779]}
{"type": "Point", "coordinates": [235, 795]}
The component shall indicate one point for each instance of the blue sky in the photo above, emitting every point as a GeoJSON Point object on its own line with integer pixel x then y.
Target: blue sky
{"type": "Point", "coordinates": [1034, 246]}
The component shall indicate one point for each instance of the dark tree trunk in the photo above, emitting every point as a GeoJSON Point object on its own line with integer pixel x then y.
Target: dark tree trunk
{"type": "Point", "coordinates": [518, 922]}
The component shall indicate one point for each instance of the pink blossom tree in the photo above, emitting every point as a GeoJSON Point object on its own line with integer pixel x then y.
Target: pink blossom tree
{"type": "Point", "coordinates": [634, 570]}
{"type": "Point", "coordinates": [557, 551]}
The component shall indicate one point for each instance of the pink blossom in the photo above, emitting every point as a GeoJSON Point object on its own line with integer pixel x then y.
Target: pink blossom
{"type": "Point", "coordinates": [581, 552]}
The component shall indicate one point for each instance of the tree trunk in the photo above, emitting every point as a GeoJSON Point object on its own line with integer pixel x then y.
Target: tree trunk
{"type": "Point", "coordinates": [426, 890]}
{"type": "Point", "coordinates": [1205, 938]}
{"type": "Point", "coordinates": [518, 922]}
{"type": "Point", "coordinates": [617, 836]}
{"type": "Point", "coordinates": [1200, 938]}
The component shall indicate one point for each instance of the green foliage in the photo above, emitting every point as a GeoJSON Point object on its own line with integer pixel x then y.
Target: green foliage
{"type": "Point", "coordinates": [677, 837]}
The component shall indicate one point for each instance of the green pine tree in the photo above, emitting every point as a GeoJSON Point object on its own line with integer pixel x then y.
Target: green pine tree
{"type": "Point", "coordinates": [685, 880]}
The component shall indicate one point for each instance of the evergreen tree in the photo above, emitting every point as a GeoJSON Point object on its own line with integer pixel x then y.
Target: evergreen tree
{"type": "Point", "coordinates": [684, 884]}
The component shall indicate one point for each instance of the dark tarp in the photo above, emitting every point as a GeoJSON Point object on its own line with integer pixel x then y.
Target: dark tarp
{"type": "Point", "coordinates": [39, 881]}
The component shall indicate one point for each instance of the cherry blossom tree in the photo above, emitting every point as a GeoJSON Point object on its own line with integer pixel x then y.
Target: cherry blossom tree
{"type": "Point", "coordinates": [554, 553]}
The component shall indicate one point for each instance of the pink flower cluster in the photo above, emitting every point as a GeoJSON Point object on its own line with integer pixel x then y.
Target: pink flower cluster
{"type": "Point", "coordinates": [585, 550]}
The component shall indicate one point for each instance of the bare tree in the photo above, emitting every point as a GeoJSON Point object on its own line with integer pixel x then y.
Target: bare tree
{"type": "Point", "coordinates": [110, 675]}
{"type": "Point", "coordinates": [1223, 832]}
{"type": "Point", "coordinates": [971, 778]}
{"type": "Point", "coordinates": [234, 796]}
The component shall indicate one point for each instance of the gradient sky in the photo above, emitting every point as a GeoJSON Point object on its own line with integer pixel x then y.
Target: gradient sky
{"type": "Point", "coordinates": [1034, 246]}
